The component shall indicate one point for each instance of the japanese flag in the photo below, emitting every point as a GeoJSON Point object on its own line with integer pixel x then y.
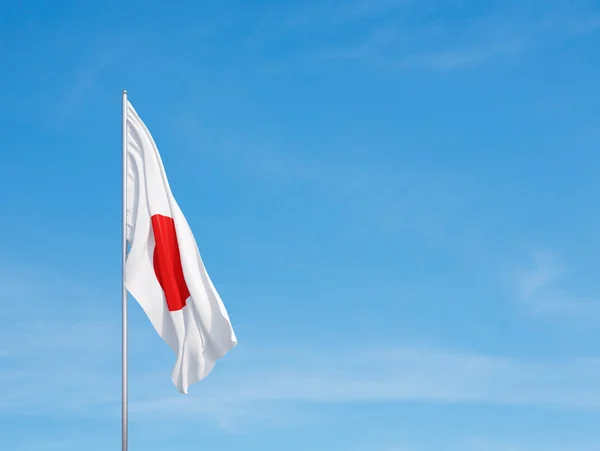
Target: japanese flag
{"type": "Point", "coordinates": [164, 271]}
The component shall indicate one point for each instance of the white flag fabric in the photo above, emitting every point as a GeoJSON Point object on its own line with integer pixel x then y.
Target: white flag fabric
{"type": "Point", "coordinates": [164, 271]}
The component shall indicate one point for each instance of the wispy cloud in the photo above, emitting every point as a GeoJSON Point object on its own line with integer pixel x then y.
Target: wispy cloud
{"type": "Point", "coordinates": [540, 289]}
{"type": "Point", "coordinates": [72, 367]}
{"type": "Point", "coordinates": [60, 349]}
{"type": "Point", "coordinates": [68, 364]}
{"type": "Point", "coordinates": [43, 445]}
{"type": "Point", "coordinates": [485, 444]}
{"type": "Point", "coordinates": [102, 53]}
{"type": "Point", "coordinates": [381, 375]}
{"type": "Point", "coordinates": [58, 367]}
{"type": "Point", "coordinates": [443, 35]}
{"type": "Point", "coordinates": [427, 200]}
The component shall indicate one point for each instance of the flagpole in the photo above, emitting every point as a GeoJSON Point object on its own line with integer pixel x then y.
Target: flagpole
{"type": "Point", "coordinates": [124, 375]}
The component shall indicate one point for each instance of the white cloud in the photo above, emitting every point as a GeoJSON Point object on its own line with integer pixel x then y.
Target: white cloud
{"type": "Point", "coordinates": [66, 368]}
{"type": "Point", "coordinates": [103, 53]}
{"type": "Point", "coordinates": [429, 35]}
{"type": "Point", "coordinates": [484, 444]}
{"type": "Point", "coordinates": [260, 383]}
{"type": "Point", "coordinates": [540, 289]}
{"type": "Point", "coordinates": [69, 364]}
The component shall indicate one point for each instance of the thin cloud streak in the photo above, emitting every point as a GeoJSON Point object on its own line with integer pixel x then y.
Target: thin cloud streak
{"type": "Point", "coordinates": [539, 288]}
{"type": "Point", "coordinates": [484, 444]}
{"type": "Point", "coordinates": [392, 375]}
{"type": "Point", "coordinates": [411, 35]}
{"type": "Point", "coordinates": [69, 365]}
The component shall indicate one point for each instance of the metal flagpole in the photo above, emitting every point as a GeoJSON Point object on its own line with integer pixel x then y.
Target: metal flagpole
{"type": "Point", "coordinates": [124, 376]}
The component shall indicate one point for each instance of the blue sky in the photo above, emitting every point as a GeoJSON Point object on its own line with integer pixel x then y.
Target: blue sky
{"type": "Point", "coordinates": [397, 201]}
